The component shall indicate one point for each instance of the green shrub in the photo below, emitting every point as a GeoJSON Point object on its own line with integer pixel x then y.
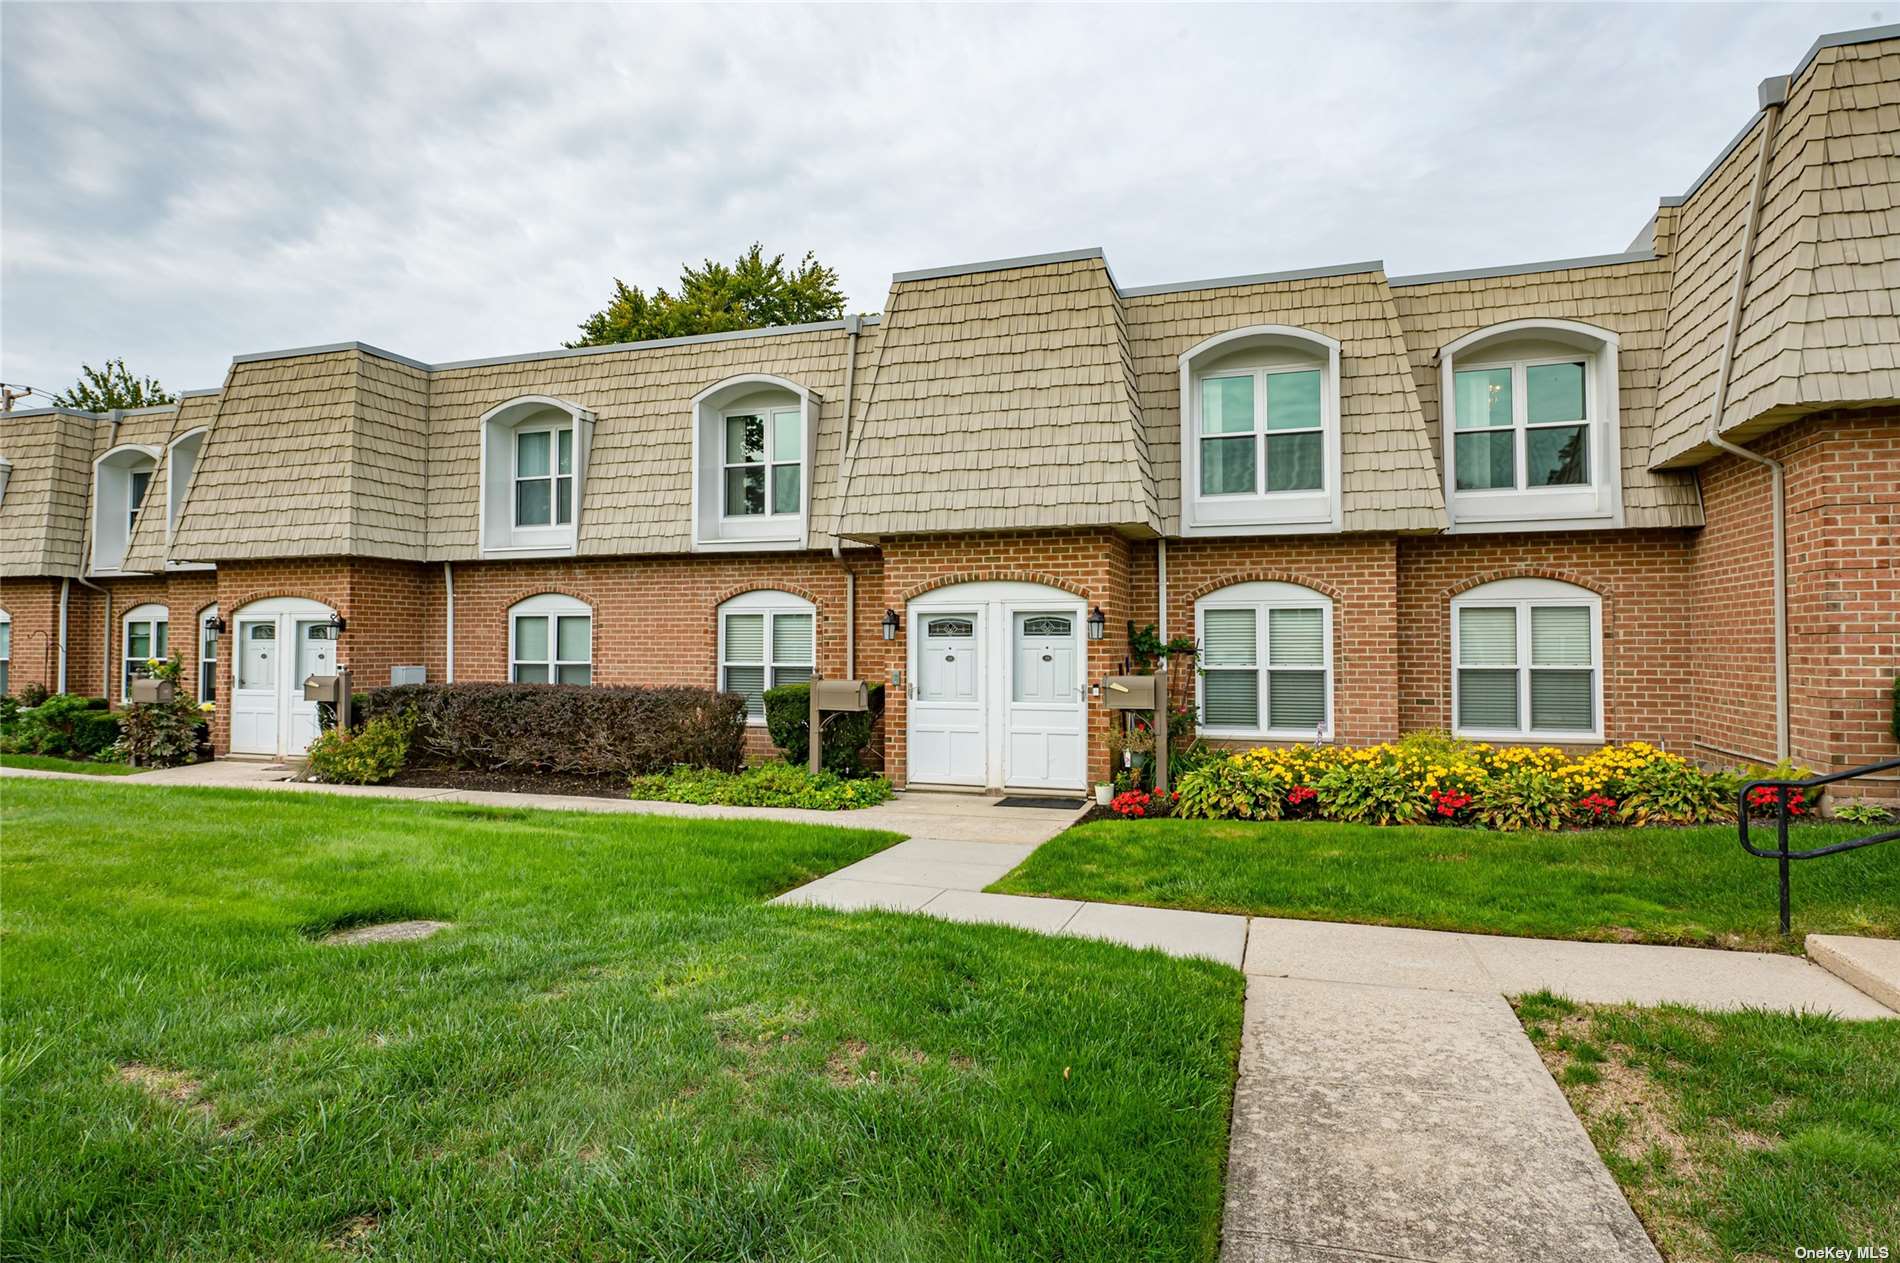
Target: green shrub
{"type": "Point", "coordinates": [1524, 797]}
{"type": "Point", "coordinates": [847, 733]}
{"type": "Point", "coordinates": [369, 755]}
{"type": "Point", "coordinates": [768, 785]}
{"type": "Point", "coordinates": [64, 726]}
{"type": "Point", "coordinates": [570, 728]}
{"type": "Point", "coordinates": [1863, 811]}
{"type": "Point", "coordinates": [1231, 789]}
{"type": "Point", "coordinates": [36, 694]}
{"type": "Point", "coordinates": [161, 734]}
{"type": "Point", "coordinates": [1374, 791]}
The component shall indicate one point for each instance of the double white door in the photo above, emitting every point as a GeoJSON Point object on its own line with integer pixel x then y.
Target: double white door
{"type": "Point", "coordinates": [275, 654]}
{"type": "Point", "coordinates": [998, 697]}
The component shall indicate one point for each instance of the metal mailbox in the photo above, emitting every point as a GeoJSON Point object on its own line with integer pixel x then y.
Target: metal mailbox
{"type": "Point", "coordinates": [1129, 692]}
{"type": "Point", "coordinates": [846, 695]}
{"type": "Point", "coordinates": [148, 690]}
{"type": "Point", "coordinates": [321, 688]}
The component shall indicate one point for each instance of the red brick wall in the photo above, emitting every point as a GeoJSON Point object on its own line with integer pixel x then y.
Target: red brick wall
{"type": "Point", "coordinates": [1359, 574]}
{"type": "Point", "coordinates": [33, 606]}
{"type": "Point", "coordinates": [1095, 565]}
{"type": "Point", "coordinates": [1843, 549]}
{"type": "Point", "coordinates": [1641, 576]}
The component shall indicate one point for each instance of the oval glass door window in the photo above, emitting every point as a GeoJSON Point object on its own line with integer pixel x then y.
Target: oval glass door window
{"type": "Point", "coordinates": [1046, 626]}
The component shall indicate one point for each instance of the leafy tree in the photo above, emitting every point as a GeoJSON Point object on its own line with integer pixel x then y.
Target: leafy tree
{"type": "Point", "coordinates": [751, 293]}
{"type": "Point", "coordinates": [100, 390]}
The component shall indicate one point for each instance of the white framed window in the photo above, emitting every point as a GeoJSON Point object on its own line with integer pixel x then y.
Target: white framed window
{"type": "Point", "coordinates": [753, 446]}
{"type": "Point", "coordinates": [544, 476]}
{"type": "Point", "coordinates": [1530, 426]}
{"type": "Point", "coordinates": [1527, 662]}
{"type": "Point", "coordinates": [551, 641]}
{"type": "Point", "coordinates": [121, 479]}
{"type": "Point", "coordinates": [534, 457]}
{"type": "Point", "coordinates": [208, 654]}
{"type": "Point", "coordinates": [143, 636]}
{"type": "Point", "coordinates": [762, 462]}
{"type": "Point", "coordinates": [765, 639]}
{"type": "Point", "coordinates": [1260, 432]}
{"type": "Point", "coordinates": [6, 650]}
{"type": "Point", "coordinates": [1266, 662]}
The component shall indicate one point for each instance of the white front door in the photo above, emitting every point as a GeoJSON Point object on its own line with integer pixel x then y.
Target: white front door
{"type": "Point", "coordinates": [947, 736]}
{"type": "Point", "coordinates": [254, 692]}
{"type": "Point", "coordinates": [281, 642]}
{"type": "Point", "coordinates": [1045, 739]}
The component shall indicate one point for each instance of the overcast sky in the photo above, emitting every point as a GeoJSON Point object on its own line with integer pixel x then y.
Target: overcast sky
{"type": "Point", "coordinates": [184, 183]}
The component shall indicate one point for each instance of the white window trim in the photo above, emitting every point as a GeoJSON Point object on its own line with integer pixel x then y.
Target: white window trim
{"type": "Point", "coordinates": [767, 603]}
{"type": "Point", "coordinates": [770, 414]}
{"type": "Point", "coordinates": [205, 678]}
{"type": "Point", "coordinates": [1263, 512]}
{"type": "Point", "coordinates": [713, 530]}
{"type": "Point", "coordinates": [1522, 595]}
{"type": "Point", "coordinates": [176, 491]}
{"type": "Point", "coordinates": [531, 541]}
{"type": "Point", "coordinates": [150, 612]}
{"type": "Point", "coordinates": [553, 477]}
{"type": "Point", "coordinates": [551, 606]}
{"type": "Point", "coordinates": [1262, 597]}
{"type": "Point", "coordinates": [111, 526]}
{"type": "Point", "coordinates": [1597, 504]}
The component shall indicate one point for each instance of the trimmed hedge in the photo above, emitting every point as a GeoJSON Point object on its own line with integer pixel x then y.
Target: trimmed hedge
{"type": "Point", "coordinates": [788, 715]}
{"type": "Point", "coordinates": [64, 725]}
{"type": "Point", "coordinates": [568, 728]}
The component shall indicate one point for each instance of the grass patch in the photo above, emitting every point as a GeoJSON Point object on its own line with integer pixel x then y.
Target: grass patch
{"type": "Point", "coordinates": [1683, 886]}
{"type": "Point", "coordinates": [48, 763]}
{"type": "Point", "coordinates": [617, 1050]}
{"type": "Point", "coordinates": [1736, 1135]}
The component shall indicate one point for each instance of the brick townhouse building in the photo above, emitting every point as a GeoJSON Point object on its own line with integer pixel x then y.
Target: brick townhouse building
{"type": "Point", "coordinates": [1646, 495]}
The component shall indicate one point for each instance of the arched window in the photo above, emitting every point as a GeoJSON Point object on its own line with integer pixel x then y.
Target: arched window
{"type": "Point", "coordinates": [208, 654]}
{"type": "Point", "coordinates": [181, 462]}
{"type": "Point", "coordinates": [1531, 430]}
{"type": "Point", "coordinates": [765, 639]}
{"type": "Point", "coordinates": [753, 439]}
{"type": "Point", "coordinates": [1260, 431]}
{"type": "Point", "coordinates": [534, 472]}
{"type": "Point", "coordinates": [551, 641]}
{"type": "Point", "coordinates": [121, 480]}
{"type": "Point", "coordinates": [1527, 661]}
{"type": "Point", "coordinates": [1266, 661]}
{"type": "Point", "coordinates": [144, 633]}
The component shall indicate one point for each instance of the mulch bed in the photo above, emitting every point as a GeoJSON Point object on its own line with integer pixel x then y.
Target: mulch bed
{"type": "Point", "coordinates": [571, 785]}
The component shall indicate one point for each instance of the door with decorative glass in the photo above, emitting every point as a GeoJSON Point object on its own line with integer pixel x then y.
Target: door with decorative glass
{"type": "Point", "coordinates": [1044, 745]}
{"type": "Point", "coordinates": [947, 734]}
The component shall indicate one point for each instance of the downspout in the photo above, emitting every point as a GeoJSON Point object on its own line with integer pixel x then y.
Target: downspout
{"type": "Point", "coordinates": [1161, 587]}
{"type": "Point", "coordinates": [1773, 95]}
{"type": "Point", "coordinates": [65, 601]}
{"type": "Point", "coordinates": [105, 642]}
{"type": "Point", "coordinates": [448, 604]}
{"type": "Point", "coordinates": [852, 326]}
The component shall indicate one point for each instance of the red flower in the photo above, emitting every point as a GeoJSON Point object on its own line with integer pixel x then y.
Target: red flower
{"type": "Point", "coordinates": [1598, 805]}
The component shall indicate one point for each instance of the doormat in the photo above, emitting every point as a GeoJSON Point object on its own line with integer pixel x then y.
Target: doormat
{"type": "Point", "coordinates": [1063, 804]}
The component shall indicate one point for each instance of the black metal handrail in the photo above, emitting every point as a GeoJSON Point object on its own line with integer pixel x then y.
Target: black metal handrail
{"type": "Point", "coordinates": [1781, 851]}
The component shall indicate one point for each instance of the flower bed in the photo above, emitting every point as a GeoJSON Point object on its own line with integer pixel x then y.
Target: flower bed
{"type": "Point", "coordinates": [767, 785]}
{"type": "Point", "coordinates": [1431, 778]}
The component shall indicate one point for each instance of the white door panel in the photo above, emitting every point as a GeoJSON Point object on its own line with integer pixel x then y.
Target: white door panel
{"type": "Point", "coordinates": [254, 695]}
{"type": "Point", "coordinates": [279, 646]}
{"type": "Point", "coordinates": [947, 736]}
{"type": "Point", "coordinates": [316, 655]}
{"type": "Point", "coordinates": [1045, 741]}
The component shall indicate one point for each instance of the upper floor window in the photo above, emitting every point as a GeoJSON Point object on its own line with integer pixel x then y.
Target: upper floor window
{"type": "Point", "coordinates": [753, 442]}
{"type": "Point", "coordinates": [120, 481]}
{"type": "Point", "coordinates": [1530, 426]}
{"type": "Point", "coordinates": [765, 639]}
{"type": "Point", "coordinates": [534, 474]}
{"type": "Point", "coordinates": [1266, 661]}
{"type": "Point", "coordinates": [143, 642]}
{"type": "Point", "coordinates": [1260, 432]}
{"type": "Point", "coordinates": [1527, 662]}
{"type": "Point", "coordinates": [551, 641]}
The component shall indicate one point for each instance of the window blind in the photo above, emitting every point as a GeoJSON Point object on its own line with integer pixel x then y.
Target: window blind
{"type": "Point", "coordinates": [1487, 636]}
{"type": "Point", "coordinates": [1230, 638]}
{"type": "Point", "coordinates": [1560, 636]}
{"type": "Point", "coordinates": [1296, 638]}
{"type": "Point", "coordinates": [1562, 701]}
{"type": "Point", "coordinates": [1487, 699]}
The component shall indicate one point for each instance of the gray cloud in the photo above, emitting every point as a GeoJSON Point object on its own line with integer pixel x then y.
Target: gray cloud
{"type": "Point", "coordinates": [182, 183]}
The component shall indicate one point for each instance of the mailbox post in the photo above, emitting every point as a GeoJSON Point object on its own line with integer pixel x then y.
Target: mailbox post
{"type": "Point", "coordinates": [1149, 693]}
{"type": "Point", "coordinates": [834, 696]}
{"type": "Point", "coordinates": [333, 691]}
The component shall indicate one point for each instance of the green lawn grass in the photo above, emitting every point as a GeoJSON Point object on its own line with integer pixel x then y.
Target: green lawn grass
{"type": "Point", "coordinates": [1736, 1135]}
{"type": "Point", "coordinates": [616, 1052]}
{"type": "Point", "coordinates": [1687, 886]}
{"type": "Point", "coordinates": [47, 763]}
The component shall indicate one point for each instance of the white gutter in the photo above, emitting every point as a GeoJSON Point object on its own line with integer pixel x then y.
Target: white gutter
{"type": "Point", "coordinates": [65, 600]}
{"type": "Point", "coordinates": [105, 639]}
{"type": "Point", "coordinates": [448, 604]}
{"type": "Point", "coordinates": [852, 326]}
{"type": "Point", "coordinates": [1773, 95]}
{"type": "Point", "coordinates": [850, 624]}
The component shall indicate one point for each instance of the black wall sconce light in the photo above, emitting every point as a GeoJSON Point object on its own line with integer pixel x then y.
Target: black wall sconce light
{"type": "Point", "coordinates": [337, 623]}
{"type": "Point", "coordinates": [890, 624]}
{"type": "Point", "coordinates": [216, 626]}
{"type": "Point", "coordinates": [1098, 623]}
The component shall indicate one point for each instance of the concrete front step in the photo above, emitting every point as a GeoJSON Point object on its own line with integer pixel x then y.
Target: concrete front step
{"type": "Point", "coordinates": [1870, 964]}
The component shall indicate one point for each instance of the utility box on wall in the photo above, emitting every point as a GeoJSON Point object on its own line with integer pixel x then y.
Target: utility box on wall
{"type": "Point", "coordinates": [408, 675]}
